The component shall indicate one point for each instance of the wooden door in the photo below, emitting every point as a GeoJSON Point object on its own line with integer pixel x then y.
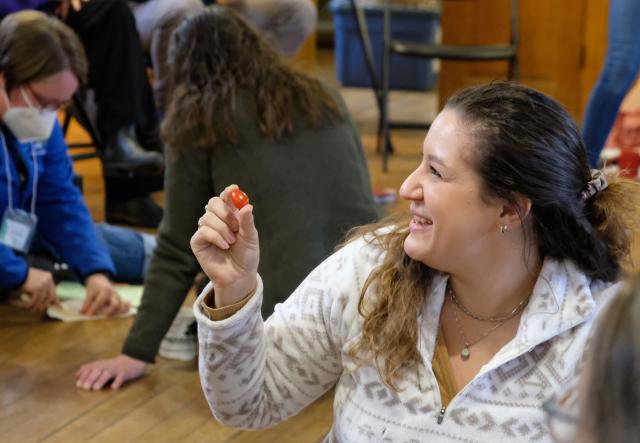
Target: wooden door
{"type": "Point", "coordinates": [561, 45]}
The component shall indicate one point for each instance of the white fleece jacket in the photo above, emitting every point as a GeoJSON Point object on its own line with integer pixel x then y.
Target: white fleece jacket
{"type": "Point", "coordinates": [256, 374]}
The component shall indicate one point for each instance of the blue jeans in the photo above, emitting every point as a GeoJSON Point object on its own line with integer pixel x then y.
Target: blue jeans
{"type": "Point", "coordinates": [130, 251]}
{"type": "Point", "coordinates": [621, 66]}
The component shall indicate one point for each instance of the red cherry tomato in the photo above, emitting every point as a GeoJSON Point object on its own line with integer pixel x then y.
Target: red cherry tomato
{"type": "Point", "coordinates": [239, 198]}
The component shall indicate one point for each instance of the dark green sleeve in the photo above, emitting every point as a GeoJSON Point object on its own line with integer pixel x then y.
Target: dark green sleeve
{"type": "Point", "coordinates": [188, 187]}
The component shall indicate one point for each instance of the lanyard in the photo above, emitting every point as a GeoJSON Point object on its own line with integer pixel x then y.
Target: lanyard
{"type": "Point", "coordinates": [7, 168]}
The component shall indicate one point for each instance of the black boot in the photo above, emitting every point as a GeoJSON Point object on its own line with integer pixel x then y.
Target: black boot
{"type": "Point", "coordinates": [142, 212]}
{"type": "Point", "coordinates": [123, 154]}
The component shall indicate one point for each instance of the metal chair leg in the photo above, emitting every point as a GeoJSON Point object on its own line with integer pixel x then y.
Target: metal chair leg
{"type": "Point", "coordinates": [84, 116]}
{"type": "Point", "coordinates": [66, 122]}
{"type": "Point", "coordinates": [514, 69]}
{"type": "Point", "coordinates": [385, 89]}
{"type": "Point", "coordinates": [379, 143]}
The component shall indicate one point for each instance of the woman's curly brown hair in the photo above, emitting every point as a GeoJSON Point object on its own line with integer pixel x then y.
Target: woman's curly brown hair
{"type": "Point", "coordinates": [218, 59]}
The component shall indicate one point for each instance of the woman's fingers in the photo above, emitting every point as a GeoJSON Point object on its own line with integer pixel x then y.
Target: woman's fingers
{"type": "Point", "coordinates": [209, 219]}
{"type": "Point", "coordinates": [226, 194]}
{"type": "Point", "coordinates": [112, 307]}
{"type": "Point", "coordinates": [247, 226]}
{"type": "Point", "coordinates": [90, 378]}
{"type": "Point", "coordinates": [212, 236]}
{"type": "Point", "coordinates": [224, 211]}
{"type": "Point", "coordinates": [124, 306]}
{"type": "Point", "coordinates": [95, 302]}
{"type": "Point", "coordinates": [39, 301]}
{"type": "Point", "coordinates": [102, 380]}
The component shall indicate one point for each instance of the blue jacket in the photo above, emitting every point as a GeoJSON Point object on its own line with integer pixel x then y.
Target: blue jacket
{"type": "Point", "coordinates": [63, 219]}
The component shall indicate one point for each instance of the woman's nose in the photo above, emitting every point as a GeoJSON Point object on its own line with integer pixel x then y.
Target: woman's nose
{"type": "Point", "coordinates": [410, 189]}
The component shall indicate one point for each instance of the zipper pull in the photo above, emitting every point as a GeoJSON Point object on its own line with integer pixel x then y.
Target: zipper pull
{"type": "Point", "coordinates": [441, 415]}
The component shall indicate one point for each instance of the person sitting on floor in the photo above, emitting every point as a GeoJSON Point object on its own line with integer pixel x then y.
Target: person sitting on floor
{"type": "Point", "coordinates": [124, 118]}
{"type": "Point", "coordinates": [250, 118]}
{"type": "Point", "coordinates": [41, 64]}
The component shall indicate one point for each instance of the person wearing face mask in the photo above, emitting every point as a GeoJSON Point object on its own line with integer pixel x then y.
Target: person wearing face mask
{"type": "Point", "coordinates": [28, 123]}
{"type": "Point", "coordinates": [124, 116]}
{"type": "Point", "coordinates": [41, 65]}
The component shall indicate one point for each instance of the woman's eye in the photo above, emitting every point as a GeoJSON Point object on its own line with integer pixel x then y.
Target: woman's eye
{"type": "Point", "coordinates": [434, 172]}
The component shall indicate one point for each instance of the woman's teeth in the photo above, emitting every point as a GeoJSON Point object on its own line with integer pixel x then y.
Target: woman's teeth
{"type": "Point", "coordinates": [421, 221]}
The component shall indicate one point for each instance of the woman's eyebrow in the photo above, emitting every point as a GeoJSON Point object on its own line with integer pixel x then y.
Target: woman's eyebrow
{"type": "Point", "coordinates": [435, 159]}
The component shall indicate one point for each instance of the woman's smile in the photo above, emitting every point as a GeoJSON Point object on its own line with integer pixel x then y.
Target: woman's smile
{"type": "Point", "coordinates": [419, 224]}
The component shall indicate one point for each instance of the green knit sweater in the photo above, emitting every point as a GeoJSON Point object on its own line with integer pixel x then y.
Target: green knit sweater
{"type": "Point", "coordinates": [307, 191]}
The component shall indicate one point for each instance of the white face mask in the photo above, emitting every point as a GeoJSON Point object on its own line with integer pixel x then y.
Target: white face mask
{"type": "Point", "coordinates": [29, 124]}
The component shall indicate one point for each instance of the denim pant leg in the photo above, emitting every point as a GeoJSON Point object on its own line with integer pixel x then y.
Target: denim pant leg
{"type": "Point", "coordinates": [620, 68]}
{"type": "Point", "coordinates": [130, 251]}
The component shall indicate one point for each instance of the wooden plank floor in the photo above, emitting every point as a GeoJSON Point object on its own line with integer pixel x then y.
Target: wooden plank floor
{"type": "Point", "coordinates": [38, 357]}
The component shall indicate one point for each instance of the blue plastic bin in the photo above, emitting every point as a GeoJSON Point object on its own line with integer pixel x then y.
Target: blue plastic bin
{"type": "Point", "coordinates": [408, 24]}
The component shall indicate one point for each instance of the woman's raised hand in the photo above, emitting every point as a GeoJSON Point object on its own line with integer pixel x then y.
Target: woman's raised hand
{"type": "Point", "coordinates": [227, 248]}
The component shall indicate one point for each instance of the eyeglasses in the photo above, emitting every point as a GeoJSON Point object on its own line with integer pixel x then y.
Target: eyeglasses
{"type": "Point", "coordinates": [45, 102]}
{"type": "Point", "coordinates": [562, 415]}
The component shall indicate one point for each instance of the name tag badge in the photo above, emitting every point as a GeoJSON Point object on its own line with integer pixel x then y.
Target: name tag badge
{"type": "Point", "coordinates": [17, 229]}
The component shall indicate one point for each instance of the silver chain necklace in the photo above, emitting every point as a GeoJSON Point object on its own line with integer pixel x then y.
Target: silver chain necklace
{"type": "Point", "coordinates": [497, 319]}
{"type": "Point", "coordinates": [465, 353]}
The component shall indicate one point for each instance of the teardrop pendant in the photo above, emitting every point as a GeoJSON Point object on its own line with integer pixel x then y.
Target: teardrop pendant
{"type": "Point", "coordinates": [466, 352]}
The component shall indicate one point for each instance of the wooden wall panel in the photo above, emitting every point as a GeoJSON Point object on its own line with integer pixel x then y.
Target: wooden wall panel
{"type": "Point", "coordinates": [467, 22]}
{"type": "Point", "coordinates": [595, 46]}
{"type": "Point", "coordinates": [561, 45]}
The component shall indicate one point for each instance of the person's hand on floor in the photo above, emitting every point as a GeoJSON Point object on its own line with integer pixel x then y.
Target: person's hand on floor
{"type": "Point", "coordinates": [95, 375]}
{"type": "Point", "coordinates": [41, 290]}
{"type": "Point", "coordinates": [102, 298]}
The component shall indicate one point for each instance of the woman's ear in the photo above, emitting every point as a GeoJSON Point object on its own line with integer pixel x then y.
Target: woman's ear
{"type": "Point", "coordinates": [514, 213]}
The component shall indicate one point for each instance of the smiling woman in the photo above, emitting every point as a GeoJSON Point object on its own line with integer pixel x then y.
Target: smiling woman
{"type": "Point", "coordinates": [452, 222]}
{"type": "Point", "coordinates": [504, 190]}
{"type": "Point", "coordinates": [453, 322]}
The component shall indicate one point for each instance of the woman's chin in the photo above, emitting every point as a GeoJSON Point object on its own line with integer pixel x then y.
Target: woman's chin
{"type": "Point", "coordinates": [415, 249]}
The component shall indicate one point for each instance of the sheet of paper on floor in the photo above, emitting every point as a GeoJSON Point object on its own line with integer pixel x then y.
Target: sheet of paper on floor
{"type": "Point", "coordinates": [68, 290]}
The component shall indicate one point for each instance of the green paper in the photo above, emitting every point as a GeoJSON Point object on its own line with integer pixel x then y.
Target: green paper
{"type": "Point", "coordinates": [69, 290]}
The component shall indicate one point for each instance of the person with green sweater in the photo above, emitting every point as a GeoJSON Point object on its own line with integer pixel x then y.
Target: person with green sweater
{"type": "Point", "coordinates": [239, 114]}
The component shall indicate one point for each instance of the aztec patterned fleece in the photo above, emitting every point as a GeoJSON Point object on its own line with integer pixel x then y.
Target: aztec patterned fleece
{"type": "Point", "coordinates": [256, 374]}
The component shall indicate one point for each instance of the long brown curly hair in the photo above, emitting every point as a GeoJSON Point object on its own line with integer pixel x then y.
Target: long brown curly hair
{"type": "Point", "coordinates": [526, 145]}
{"type": "Point", "coordinates": [217, 60]}
{"type": "Point", "coordinates": [611, 413]}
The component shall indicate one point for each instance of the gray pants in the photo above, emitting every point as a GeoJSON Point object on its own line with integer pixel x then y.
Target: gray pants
{"type": "Point", "coordinates": [285, 24]}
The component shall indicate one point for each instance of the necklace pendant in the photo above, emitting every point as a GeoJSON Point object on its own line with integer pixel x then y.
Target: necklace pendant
{"type": "Point", "coordinates": [465, 353]}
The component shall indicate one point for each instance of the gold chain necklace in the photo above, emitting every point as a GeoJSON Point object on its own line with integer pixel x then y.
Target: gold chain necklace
{"type": "Point", "coordinates": [465, 353]}
{"type": "Point", "coordinates": [497, 319]}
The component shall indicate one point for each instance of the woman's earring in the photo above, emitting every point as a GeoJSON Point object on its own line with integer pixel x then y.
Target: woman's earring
{"type": "Point", "coordinates": [503, 229]}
